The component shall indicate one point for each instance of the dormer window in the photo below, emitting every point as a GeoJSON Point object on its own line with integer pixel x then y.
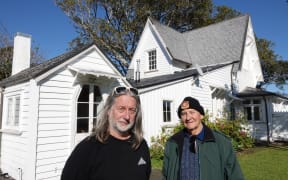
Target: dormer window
{"type": "Point", "coordinates": [152, 60]}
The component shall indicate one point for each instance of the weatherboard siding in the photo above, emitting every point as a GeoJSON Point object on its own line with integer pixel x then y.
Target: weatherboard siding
{"type": "Point", "coordinates": [279, 124]}
{"type": "Point", "coordinates": [151, 42]}
{"type": "Point", "coordinates": [15, 146]}
{"type": "Point", "coordinates": [153, 108]}
{"type": "Point", "coordinates": [56, 113]}
{"type": "Point", "coordinates": [54, 124]}
{"type": "Point", "coordinates": [219, 78]}
{"type": "Point", "coordinates": [93, 61]}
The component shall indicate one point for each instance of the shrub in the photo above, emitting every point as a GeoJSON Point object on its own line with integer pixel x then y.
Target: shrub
{"type": "Point", "coordinates": [235, 129]}
{"type": "Point", "coordinates": [158, 142]}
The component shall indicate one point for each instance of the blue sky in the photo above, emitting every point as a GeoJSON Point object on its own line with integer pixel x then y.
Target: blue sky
{"type": "Point", "coordinates": [269, 20]}
{"type": "Point", "coordinates": [51, 29]}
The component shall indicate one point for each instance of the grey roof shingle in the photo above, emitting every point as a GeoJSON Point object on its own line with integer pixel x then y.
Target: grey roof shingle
{"type": "Point", "coordinates": [39, 69]}
{"type": "Point", "coordinates": [217, 43]}
{"type": "Point", "coordinates": [174, 40]}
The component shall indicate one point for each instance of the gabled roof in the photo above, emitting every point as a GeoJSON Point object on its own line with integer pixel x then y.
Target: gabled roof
{"type": "Point", "coordinates": [42, 68]}
{"type": "Point", "coordinates": [153, 81]}
{"type": "Point", "coordinates": [255, 92]}
{"type": "Point", "coordinates": [174, 41]}
{"type": "Point", "coordinates": [217, 43]}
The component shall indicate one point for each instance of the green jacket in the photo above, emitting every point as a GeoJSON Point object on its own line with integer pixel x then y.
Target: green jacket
{"type": "Point", "coordinates": [217, 158]}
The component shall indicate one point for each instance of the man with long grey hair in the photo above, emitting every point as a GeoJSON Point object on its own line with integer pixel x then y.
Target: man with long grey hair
{"type": "Point", "coordinates": [116, 149]}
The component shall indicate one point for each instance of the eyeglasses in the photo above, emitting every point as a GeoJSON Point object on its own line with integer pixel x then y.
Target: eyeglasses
{"type": "Point", "coordinates": [123, 89]}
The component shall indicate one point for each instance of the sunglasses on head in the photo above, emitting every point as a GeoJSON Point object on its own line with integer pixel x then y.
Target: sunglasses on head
{"type": "Point", "coordinates": [123, 89]}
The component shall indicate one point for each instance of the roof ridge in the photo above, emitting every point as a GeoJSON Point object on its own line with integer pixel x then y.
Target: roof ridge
{"type": "Point", "coordinates": [217, 23]}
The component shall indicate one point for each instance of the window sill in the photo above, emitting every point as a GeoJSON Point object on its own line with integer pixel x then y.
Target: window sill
{"type": "Point", "coordinates": [169, 124]}
{"type": "Point", "coordinates": [11, 131]}
{"type": "Point", "coordinates": [151, 71]}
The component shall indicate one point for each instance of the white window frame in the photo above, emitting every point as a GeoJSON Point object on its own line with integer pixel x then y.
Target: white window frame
{"type": "Point", "coordinates": [91, 116]}
{"type": "Point", "coordinates": [12, 112]}
{"type": "Point", "coordinates": [253, 106]}
{"type": "Point", "coordinates": [165, 111]}
{"type": "Point", "coordinates": [152, 60]}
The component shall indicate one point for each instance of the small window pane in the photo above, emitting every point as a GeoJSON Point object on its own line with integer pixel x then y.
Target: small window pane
{"type": "Point", "coordinates": [10, 112]}
{"type": "Point", "coordinates": [168, 118]}
{"type": "Point", "coordinates": [166, 111]}
{"type": "Point", "coordinates": [256, 114]}
{"type": "Point", "coordinates": [152, 60]}
{"type": "Point", "coordinates": [256, 101]}
{"type": "Point", "coordinates": [97, 94]}
{"type": "Point", "coordinates": [95, 110]}
{"type": "Point", "coordinates": [84, 95]}
{"type": "Point", "coordinates": [17, 111]}
{"type": "Point", "coordinates": [83, 110]}
{"type": "Point", "coordinates": [82, 125]}
{"type": "Point", "coordinates": [248, 113]}
{"type": "Point", "coordinates": [246, 102]}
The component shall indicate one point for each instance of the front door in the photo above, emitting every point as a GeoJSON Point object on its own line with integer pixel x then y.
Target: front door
{"type": "Point", "coordinates": [87, 103]}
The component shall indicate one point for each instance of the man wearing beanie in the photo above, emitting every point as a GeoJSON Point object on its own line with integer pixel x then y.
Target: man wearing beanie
{"type": "Point", "coordinates": [198, 152]}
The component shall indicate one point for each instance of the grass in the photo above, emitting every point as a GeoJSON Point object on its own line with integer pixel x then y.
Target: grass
{"type": "Point", "coordinates": [259, 163]}
{"type": "Point", "coordinates": [265, 163]}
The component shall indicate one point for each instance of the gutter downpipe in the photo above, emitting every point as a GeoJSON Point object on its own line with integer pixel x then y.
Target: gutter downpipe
{"type": "Point", "coordinates": [267, 123]}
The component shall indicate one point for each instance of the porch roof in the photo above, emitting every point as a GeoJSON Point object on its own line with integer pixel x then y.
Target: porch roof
{"type": "Point", "coordinates": [148, 82]}
{"type": "Point", "coordinates": [93, 72]}
{"type": "Point", "coordinates": [256, 92]}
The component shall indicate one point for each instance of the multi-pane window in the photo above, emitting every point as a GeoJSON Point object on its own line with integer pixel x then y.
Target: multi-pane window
{"type": "Point", "coordinates": [252, 109]}
{"type": "Point", "coordinates": [166, 111]}
{"type": "Point", "coordinates": [13, 111]}
{"type": "Point", "coordinates": [152, 60]}
{"type": "Point", "coordinates": [87, 104]}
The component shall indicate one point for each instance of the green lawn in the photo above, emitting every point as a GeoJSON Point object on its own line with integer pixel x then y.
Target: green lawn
{"type": "Point", "coordinates": [265, 163]}
{"type": "Point", "coordinates": [260, 163]}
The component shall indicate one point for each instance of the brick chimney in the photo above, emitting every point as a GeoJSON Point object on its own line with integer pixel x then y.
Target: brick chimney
{"type": "Point", "coordinates": [21, 52]}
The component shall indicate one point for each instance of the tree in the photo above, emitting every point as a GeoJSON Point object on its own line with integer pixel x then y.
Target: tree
{"type": "Point", "coordinates": [6, 53]}
{"type": "Point", "coordinates": [223, 13]}
{"type": "Point", "coordinates": [274, 70]}
{"type": "Point", "coordinates": [116, 25]}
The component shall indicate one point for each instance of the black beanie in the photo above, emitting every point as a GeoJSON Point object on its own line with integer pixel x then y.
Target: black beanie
{"type": "Point", "coordinates": [190, 103]}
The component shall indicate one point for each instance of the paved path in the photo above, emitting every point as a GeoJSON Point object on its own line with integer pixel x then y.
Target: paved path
{"type": "Point", "coordinates": [156, 174]}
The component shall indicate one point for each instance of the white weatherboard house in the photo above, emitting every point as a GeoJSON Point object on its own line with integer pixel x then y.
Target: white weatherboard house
{"type": "Point", "coordinates": [47, 109]}
{"type": "Point", "coordinates": [217, 64]}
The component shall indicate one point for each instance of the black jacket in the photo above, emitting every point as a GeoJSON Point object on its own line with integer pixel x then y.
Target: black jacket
{"type": "Point", "coordinates": [92, 160]}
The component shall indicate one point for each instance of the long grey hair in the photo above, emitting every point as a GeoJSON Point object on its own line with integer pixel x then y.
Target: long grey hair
{"type": "Point", "coordinates": [101, 131]}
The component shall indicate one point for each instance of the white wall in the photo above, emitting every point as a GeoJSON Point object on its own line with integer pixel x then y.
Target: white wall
{"type": "Point", "coordinates": [57, 110]}
{"type": "Point", "coordinates": [54, 126]}
{"type": "Point", "coordinates": [15, 142]}
{"type": "Point", "coordinates": [176, 92]}
{"type": "Point", "coordinates": [250, 64]}
{"type": "Point", "coordinates": [151, 41]}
